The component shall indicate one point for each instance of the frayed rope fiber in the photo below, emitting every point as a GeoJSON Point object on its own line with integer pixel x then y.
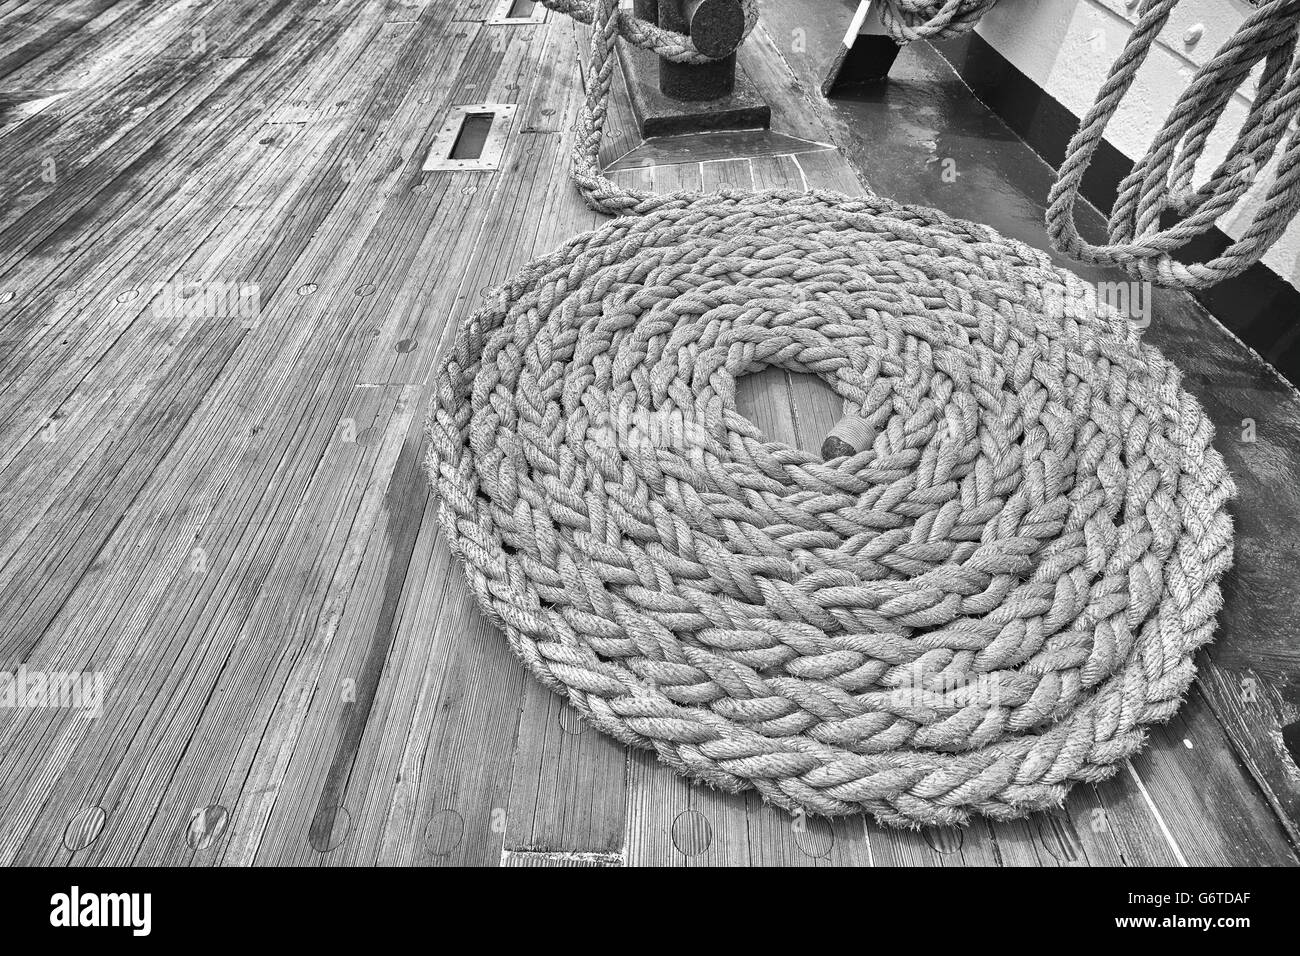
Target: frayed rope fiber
{"type": "Point", "coordinates": [983, 607]}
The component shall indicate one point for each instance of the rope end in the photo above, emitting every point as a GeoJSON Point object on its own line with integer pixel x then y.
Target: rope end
{"type": "Point", "coordinates": [850, 436]}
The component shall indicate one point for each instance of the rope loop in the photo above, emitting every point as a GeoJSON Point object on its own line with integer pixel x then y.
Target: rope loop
{"type": "Point", "coordinates": [1161, 181]}
{"type": "Point", "coordinates": [911, 20]}
{"type": "Point", "coordinates": [669, 44]}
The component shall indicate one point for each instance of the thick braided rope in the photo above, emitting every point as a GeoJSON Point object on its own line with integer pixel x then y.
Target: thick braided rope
{"type": "Point", "coordinates": [667, 43]}
{"type": "Point", "coordinates": [1162, 180]}
{"type": "Point", "coordinates": [983, 607]}
{"type": "Point", "coordinates": [910, 20]}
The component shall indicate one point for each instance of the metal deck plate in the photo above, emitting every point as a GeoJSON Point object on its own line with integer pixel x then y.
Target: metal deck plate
{"type": "Point", "coordinates": [439, 158]}
{"type": "Point", "coordinates": [501, 15]}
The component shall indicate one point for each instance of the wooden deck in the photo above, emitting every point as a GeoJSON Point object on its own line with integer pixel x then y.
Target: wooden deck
{"type": "Point", "coordinates": [226, 514]}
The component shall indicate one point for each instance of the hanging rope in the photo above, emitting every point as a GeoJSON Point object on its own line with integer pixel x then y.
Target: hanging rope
{"type": "Point", "coordinates": [986, 604]}
{"type": "Point", "coordinates": [1161, 181]}
{"type": "Point", "coordinates": [910, 20]}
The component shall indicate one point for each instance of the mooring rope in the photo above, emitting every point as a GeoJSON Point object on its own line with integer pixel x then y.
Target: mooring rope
{"type": "Point", "coordinates": [985, 605]}
{"type": "Point", "coordinates": [910, 20]}
{"type": "Point", "coordinates": [1161, 181]}
{"type": "Point", "coordinates": [649, 36]}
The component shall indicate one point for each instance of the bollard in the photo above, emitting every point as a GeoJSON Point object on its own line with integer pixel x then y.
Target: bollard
{"type": "Point", "coordinates": [691, 98]}
{"type": "Point", "coordinates": [716, 27]}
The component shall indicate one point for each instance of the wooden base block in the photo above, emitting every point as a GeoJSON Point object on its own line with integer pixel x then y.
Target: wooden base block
{"type": "Point", "coordinates": [660, 115]}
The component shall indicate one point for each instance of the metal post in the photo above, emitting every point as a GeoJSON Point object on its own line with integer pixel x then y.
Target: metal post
{"type": "Point", "coordinates": [671, 98]}
{"type": "Point", "coordinates": [716, 27]}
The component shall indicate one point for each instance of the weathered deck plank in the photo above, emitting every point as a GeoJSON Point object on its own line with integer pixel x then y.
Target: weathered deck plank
{"type": "Point", "coordinates": [232, 523]}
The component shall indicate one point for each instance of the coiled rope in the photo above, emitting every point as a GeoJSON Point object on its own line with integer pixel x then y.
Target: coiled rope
{"type": "Point", "coordinates": [910, 20]}
{"type": "Point", "coordinates": [1161, 181]}
{"type": "Point", "coordinates": [985, 606]}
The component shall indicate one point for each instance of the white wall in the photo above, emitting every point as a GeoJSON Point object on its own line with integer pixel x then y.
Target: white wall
{"type": "Point", "coordinates": [1068, 46]}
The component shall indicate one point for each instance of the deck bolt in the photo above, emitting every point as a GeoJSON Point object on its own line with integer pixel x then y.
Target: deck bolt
{"type": "Point", "coordinates": [444, 833]}
{"type": "Point", "coordinates": [84, 828]}
{"type": "Point", "coordinates": [944, 839]}
{"type": "Point", "coordinates": [329, 828]}
{"type": "Point", "coordinates": [691, 833]}
{"type": "Point", "coordinates": [206, 826]}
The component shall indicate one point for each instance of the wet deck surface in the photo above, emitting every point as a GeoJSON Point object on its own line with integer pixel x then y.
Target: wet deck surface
{"type": "Point", "coordinates": [225, 514]}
